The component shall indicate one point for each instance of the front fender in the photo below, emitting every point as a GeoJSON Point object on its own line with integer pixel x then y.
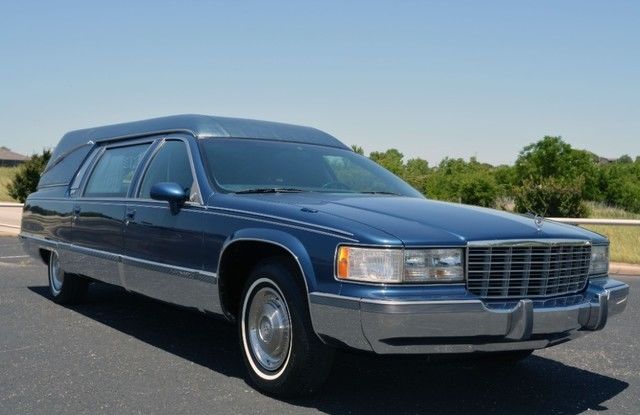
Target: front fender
{"type": "Point", "coordinates": [282, 239]}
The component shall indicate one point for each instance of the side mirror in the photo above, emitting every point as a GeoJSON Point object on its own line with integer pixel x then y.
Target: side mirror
{"type": "Point", "coordinates": [171, 192]}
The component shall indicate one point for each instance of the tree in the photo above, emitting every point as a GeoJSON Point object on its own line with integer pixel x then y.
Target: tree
{"type": "Point", "coordinates": [390, 160]}
{"type": "Point", "coordinates": [416, 172]}
{"type": "Point", "coordinates": [479, 189]}
{"type": "Point", "coordinates": [620, 184]}
{"type": "Point", "coordinates": [626, 159]}
{"type": "Point", "coordinates": [551, 157]}
{"type": "Point", "coordinates": [417, 167]}
{"type": "Point", "coordinates": [26, 178]}
{"type": "Point", "coordinates": [357, 149]}
{"type": "Point", "coordinates": [460, 181]}
{"type": "Point", "coordinates": [549, 177]}
{"type": "Point", "coordinates": [505, 178]}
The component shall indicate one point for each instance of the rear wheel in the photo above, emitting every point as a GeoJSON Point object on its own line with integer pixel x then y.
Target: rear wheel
{"type": "Point", "coordinates": [283, 355]}
{"type": "Point", "coordinates": [64, 288]}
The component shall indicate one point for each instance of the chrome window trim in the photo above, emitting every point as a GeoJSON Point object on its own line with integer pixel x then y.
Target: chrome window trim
{"type": "Point", "coordinates": [143, 169]}
{"type": "Point", "coordinates": [80, 176]}
{"type": "Point", "coordinates": [49, 186]}
{"type": "Point", "coordinates": [159, 204]}
{"type": "Point", "coordinates": [94, 155]}
{"type": "Point", "coordinates": [103, 149]}
{"type": "Point", "coordinates": [62, 156]}
{"type": "Point", "coordinates": [86, 161]}
{"type": "Point", "coordinates": [147, 134]}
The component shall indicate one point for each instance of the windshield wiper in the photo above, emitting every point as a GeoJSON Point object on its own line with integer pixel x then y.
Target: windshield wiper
{"type": "Point", "coordinates": [380, 193]}
{"type": "Point", "coordinates": [271, 190]}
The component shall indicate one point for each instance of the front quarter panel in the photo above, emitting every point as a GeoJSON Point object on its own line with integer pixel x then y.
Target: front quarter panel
{"type": "Point", "coordinates": [312, 251]}
{"type": "Point", "coordinates": [282, 239]}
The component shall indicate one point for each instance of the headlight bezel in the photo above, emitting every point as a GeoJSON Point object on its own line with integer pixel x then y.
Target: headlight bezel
{"type": "Point", "coordinates": [402, 252]}
{"type": "Point", "coordinates": [604, 259]}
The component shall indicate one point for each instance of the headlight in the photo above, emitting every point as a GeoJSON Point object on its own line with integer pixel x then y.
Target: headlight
{"type": "Point", "coordinates": [433, 265]}
{"type": "Point", "coordinates": [599, 264]}
{"type": "Point", "coordinates": [397, 265]}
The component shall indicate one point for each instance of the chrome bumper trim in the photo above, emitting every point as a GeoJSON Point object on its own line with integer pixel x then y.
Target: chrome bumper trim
{"type": "Point", "coordinates": [188, 287]}
{"type": "Point", "coordinates": [450, 326]}
{"type": "Point", "coordinates": [31, 243]}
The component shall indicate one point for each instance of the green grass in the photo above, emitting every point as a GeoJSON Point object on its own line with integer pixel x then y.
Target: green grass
{"type": "Point", "coordinates": [6, 174]}
{"type": "Point", "coordinates": [625, 240]}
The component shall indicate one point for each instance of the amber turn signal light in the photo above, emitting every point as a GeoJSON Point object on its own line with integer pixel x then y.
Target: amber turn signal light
{"type": "Point", "coordinates": [343, 262]}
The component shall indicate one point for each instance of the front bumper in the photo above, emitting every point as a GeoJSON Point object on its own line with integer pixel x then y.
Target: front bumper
{"type": "Point", "coordinates": [465, 325]}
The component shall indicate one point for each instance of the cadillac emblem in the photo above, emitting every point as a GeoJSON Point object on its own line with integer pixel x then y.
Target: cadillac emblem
{"type": "Point", "coordinates": [539, 221]}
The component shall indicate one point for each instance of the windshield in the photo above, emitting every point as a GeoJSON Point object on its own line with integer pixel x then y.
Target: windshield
{"type": "Point", "coordinates": [246, 166]}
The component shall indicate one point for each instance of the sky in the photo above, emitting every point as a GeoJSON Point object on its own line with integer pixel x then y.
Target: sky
{"type": "Point", "coordinates": [430, 78]}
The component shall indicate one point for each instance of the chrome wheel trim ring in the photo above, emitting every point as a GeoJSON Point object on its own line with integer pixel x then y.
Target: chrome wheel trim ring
{"type": "Point", "coordinates": [266, 329]}
{"type": "Point", "coordinates": [56, 275]}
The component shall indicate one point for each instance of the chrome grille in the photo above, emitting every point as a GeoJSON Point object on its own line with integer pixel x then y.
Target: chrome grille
{"type": "Point", "coordinates": [527, 270]}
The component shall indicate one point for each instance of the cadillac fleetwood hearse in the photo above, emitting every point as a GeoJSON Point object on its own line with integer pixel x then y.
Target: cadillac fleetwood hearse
{"type": "Point", "coordinates": [307, 247]}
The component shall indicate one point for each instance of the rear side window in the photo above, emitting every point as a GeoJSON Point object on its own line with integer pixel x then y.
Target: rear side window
{"type": "Point", "coordinates": [60, 172]}
{"type": "Point", "coordinates": [113, 173]}
{"type": "Point", "coordinates": [75, 184]}
{"type": "Point", "coordinates": [170, 164]}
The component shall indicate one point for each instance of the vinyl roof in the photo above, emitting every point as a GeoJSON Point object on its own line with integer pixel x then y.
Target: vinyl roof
{"type": "Point", "coordinates": [200, 126]}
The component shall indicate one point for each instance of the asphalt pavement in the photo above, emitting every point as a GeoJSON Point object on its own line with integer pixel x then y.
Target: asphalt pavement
{"type": "Point", "coordinates": [121, 353]}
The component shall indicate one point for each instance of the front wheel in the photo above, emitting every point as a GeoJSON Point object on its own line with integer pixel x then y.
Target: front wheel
{"type": "Point", "coordinates": [282, 354]}
{"type": "Point", "coordinates": [64, 288]}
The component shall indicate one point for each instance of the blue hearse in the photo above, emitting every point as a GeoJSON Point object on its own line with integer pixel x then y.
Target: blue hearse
{"type": "Point", "coordinates": [307, 247]}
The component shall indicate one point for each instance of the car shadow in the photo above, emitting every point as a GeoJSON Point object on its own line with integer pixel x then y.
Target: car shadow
{"type": "Point", "coordinates": [361, 382]}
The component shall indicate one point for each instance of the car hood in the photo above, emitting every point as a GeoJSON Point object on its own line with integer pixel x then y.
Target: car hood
{"type": "Point", "coordinates": [418, 221]}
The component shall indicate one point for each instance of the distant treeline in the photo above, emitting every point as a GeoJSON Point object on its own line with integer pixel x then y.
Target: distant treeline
{"type": "Point", "coordinates": [549, 178]}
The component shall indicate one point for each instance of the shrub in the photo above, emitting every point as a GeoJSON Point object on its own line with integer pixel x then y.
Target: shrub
{"type": "Point", "coordinates": [390, 160]}
{"type": "Point", "coordinates": [621, 184]}
{"type": "Point", "coordinates": [551, 197]}
{"type": "Point", "coordinates": [479, 189]}
{"type": "Point", "coordinates": [26, 178]}
{"type": "Point", "coordinates": [457, 180]}
{"type": "Point", "coordinates": [552, 157]}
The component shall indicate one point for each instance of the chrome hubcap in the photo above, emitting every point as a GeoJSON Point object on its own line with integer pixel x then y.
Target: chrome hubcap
{"type": "Point", "coordinates": [56, 276]}
{"type": "Point", "coordinates": [269, 328]}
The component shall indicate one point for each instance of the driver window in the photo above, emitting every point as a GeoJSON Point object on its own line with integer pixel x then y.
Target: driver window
{"type": "Point", "coordinates": [170, 164]}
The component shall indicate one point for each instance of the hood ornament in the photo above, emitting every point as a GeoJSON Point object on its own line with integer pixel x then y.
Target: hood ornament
{"type": "Point", "coordinates": [539, 221]}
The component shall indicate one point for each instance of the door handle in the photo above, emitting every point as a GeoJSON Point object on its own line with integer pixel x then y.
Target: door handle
{"type": "Point", "coordinates": [130, 215]}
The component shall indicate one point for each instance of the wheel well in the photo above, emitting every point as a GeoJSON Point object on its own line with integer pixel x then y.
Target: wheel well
{"type": "Point", "coordinates": [236, 264]}
{"type": "Point", "coordinates": [44, 254]}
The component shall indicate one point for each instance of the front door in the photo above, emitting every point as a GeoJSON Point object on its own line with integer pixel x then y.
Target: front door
{"type": "Point", "coordinates": [163, 250]}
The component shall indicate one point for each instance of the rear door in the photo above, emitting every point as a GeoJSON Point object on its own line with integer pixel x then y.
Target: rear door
{"type": "Point", "coordinates": [163, 252]}
{"type": "Point", "coordinates": [98, 212]}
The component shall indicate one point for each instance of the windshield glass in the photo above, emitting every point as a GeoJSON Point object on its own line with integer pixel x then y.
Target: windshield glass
{"type": "Point", "coordinates": [244, 165]}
